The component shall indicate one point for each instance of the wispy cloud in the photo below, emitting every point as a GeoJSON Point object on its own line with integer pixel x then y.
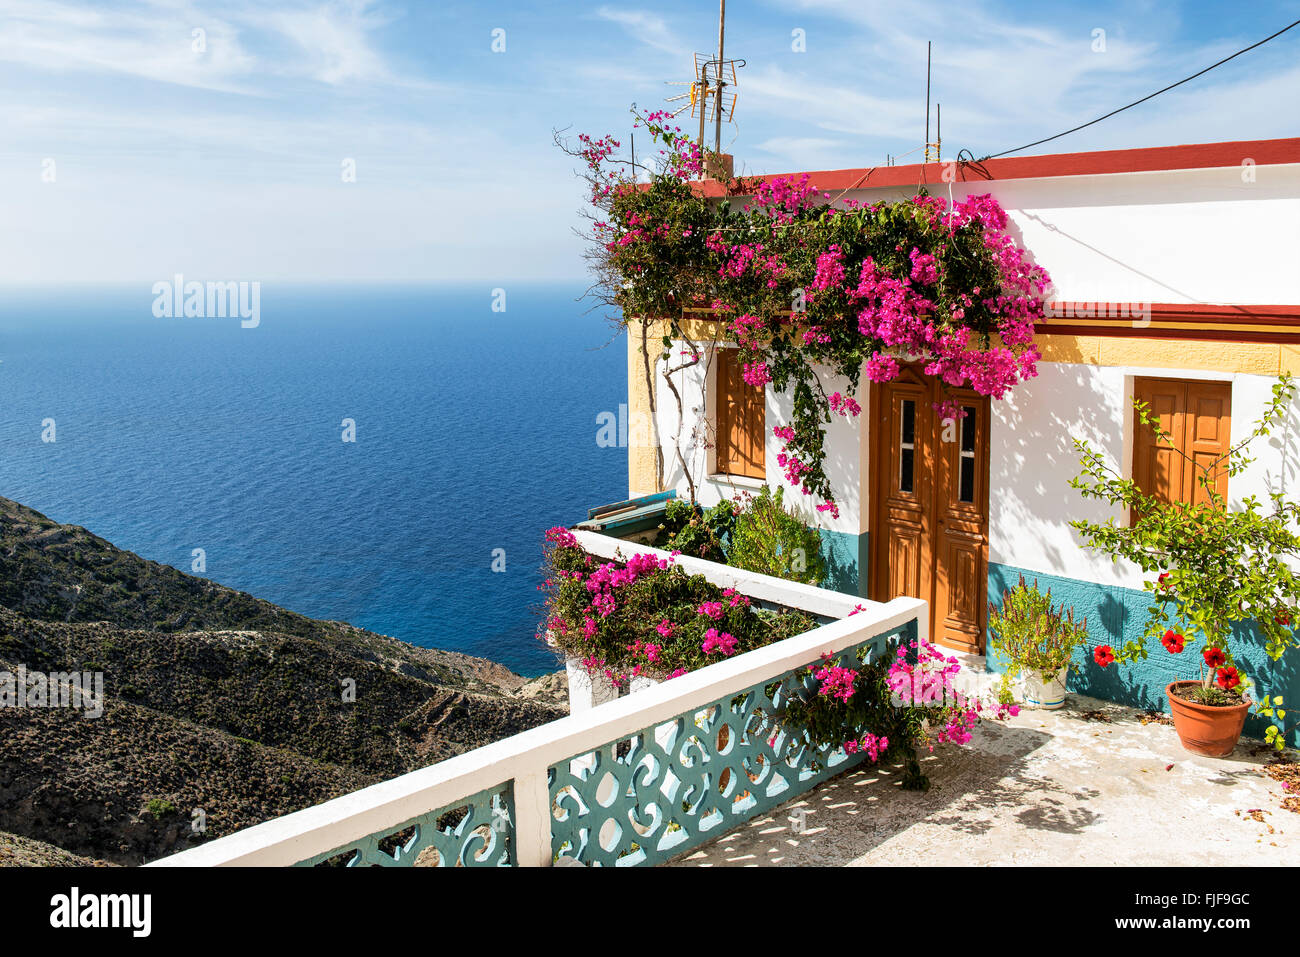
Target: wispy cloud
{"type": "Point", "coordinates": [649, 28]}
{"type": "Point", "coordinates": [182, 43]}
{"type": "Point", "coordinates": [799, 152]}
{"type": "Point", "coordinates": [456, 175]}
{"type": "Point", "coordinates": [333, 40]}
{"type": "Point", "coordinates": [1003, 74]}
{"type": "Point", "coordinates": [143, 43]}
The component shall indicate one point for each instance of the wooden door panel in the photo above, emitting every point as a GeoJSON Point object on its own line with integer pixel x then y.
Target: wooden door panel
{"type": "Point", "coordinates": [1209, 430]}
{"type": "Point", "coordinates": [902, 562]}
{"type": "Point", "coordinates": [930, 506]}
{"type": "Point", "coordinates": [962, 527]}
{"type": "Point", "coordinates": [959, 593]}
{"type": "Point", "coordinates": [905, 560]}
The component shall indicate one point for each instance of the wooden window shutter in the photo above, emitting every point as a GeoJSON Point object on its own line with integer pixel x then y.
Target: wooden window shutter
{"type": "Point", "coordinates": [742, 414]}
{"type": "Point", "coordinates": [1209, 426]}
{"type": "Point", "coordinates": [1198, 417]}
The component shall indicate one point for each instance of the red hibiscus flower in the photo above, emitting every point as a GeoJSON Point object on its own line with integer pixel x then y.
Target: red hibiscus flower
{"type": "Point", "coordinates": [1160, 582]}
{"type": "Point", "coordinates": [1173, 642]}
{"type": "Point", "coordinates": [1214, 657]}
{"type": "Point", "coordinates": [1228, 678]}
{"type": "Point", "coordinates": [1282, 618]}
{"type": "Point", "coordinates": [1103, 655]}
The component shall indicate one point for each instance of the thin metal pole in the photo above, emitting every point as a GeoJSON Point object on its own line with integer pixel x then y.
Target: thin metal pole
{"type": "Point", "coordinates": [703, 83]}
{"type": "Point", "coordinates": [717, 105]}
{"type": "Point", "coordinates": [938, 132]}
{"type": "Point", "coordinates": [927, 103]}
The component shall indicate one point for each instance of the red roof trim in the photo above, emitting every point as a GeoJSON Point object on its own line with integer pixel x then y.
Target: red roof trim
{"type": "Point", "coordinates": [1151, 159]}
{"type": "Point", "coordinates": [1215, 323]}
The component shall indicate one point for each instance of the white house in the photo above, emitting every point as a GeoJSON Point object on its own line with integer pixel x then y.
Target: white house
{"type": "Point", "coordinates": [1177, 278]}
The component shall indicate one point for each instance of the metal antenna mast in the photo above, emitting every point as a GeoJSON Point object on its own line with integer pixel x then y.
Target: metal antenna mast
{"type": "Point", "coordinates": [717, 99]}
{"type": "Point", "coordinates": [708, 90]}
{"type": "Point", "coordinates": [932, 149]}
{"type": "Point", "coordinates": [927, 101]}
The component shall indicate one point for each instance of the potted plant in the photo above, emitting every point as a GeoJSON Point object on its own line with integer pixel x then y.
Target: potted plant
{"type": "Point", "coordinates": [1208, 714]}
{"type": "Point", "coordinates": [1037, 641]}
{"type": "Point", "coordinates": [1216, 569]}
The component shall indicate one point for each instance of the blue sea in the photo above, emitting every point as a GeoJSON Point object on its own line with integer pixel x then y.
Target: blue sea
{"type": "Point", "coordinates": [475, 431]}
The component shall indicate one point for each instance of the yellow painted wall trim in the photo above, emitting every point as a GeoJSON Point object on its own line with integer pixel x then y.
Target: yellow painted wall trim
{"type": "Point", "coordinates": [642, 456]}
{"type": "Point", "coordinates": [1253, 358]}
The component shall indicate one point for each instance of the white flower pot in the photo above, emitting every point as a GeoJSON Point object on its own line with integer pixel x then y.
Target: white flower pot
{"type": "Point", "coordinates": [1045, 690]}
{"type": "Point", "coordinates": [663, 733]}
{"type": "Point", "coordinates": [586, 691]}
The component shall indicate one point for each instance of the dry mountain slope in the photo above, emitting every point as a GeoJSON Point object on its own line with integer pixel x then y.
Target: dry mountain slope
{"type": "Point", "coordinates": [215, 700]}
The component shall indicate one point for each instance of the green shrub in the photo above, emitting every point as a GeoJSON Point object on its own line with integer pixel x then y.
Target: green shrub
{"type": "Point", "coordinates": [772, 540]}
{"type": "Point", "coordinates": [695, 531]}
{"type": "Point", "coordinates": [1031, 634]}
{"type": "Point", "coordinates": [157, 808]}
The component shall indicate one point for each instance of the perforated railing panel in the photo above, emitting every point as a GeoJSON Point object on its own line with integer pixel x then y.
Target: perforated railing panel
{"type": "Point", "coordinates": [475, 832]}
{"type": "Point", "coordinates": [648, 797]}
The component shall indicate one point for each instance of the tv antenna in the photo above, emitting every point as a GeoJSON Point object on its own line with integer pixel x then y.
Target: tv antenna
{"type": "Point", "coordinates": [933, 151]}
{"type": "Point", "coordinates": [707, 98]}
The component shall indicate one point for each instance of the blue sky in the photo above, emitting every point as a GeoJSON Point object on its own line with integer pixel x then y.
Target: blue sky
{"type": "Point", "coordinates": [225, 163]}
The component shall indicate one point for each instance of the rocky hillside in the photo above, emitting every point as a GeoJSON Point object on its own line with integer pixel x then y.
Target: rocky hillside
{"type": "Point", "coordinates": [215, 701]}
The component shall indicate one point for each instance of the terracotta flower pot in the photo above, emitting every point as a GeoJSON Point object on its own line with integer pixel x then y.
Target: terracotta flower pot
{"type": "Point", "coordinates": [1204, 729]}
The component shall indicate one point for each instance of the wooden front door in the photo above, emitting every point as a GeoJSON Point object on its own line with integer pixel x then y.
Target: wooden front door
{"type": "Point", "coordinates": [930, 502]}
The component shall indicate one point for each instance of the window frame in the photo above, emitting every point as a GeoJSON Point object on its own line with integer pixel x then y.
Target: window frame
{"type": "Point", "coordinates": [1186, 416]}
{"type": "Point", "coordinates": [728, 375]}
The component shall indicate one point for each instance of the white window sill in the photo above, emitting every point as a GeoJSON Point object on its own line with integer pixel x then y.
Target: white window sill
{"type": "Point", "coordinates": [739, 481]}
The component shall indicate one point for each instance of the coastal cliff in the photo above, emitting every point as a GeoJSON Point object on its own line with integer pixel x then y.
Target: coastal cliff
{"type": "Point", "coordinates": [218, 708]}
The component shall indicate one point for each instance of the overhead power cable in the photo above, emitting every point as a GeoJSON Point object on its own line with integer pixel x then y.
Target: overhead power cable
{"type": "Point", "coordinates": [1145, 98]}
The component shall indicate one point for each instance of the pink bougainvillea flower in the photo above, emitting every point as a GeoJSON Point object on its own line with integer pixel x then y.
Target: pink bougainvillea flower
{"type": "Point", "coordinates": [757, 374]}
{"type": "Point", "coordinates": [716, 642]}
{"type": "Point", "coordinates": [836, 682]}
{"type": "Point", "coordinates": [737, 599]}
{"type": "Point", "coordinates": [843, 405]}
{"type": "Point", "coordinates": [561, 537]}
{"type": "Point", "coordinates": [711, 609]}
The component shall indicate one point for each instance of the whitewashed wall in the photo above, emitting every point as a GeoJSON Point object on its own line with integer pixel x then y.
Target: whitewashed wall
{"type": "Point", "coordinates": [1190, 236]}
{"type": "Point", "coordinates": [1032, 459]}
{"type": "Point", "coordinates": [846, 445]}
{"type": "Point", "coordinates": [1186, 236]}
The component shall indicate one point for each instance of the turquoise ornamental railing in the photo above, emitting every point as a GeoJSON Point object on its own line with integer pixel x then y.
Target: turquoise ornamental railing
{"type": "Point", "coordinates": [634, 781]}
{"type": "Point", "coordinates": [475, 832]}
{"type": "Point", "coordinates": [644, 799]}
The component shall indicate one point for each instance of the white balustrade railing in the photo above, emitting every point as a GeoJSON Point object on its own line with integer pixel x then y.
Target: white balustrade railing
{"type": "Point", "coordinates": [522, 761]}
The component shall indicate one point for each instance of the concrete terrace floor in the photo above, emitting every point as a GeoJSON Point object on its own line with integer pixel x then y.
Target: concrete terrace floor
{"type": "Point", "coordinates": [1044, 788]}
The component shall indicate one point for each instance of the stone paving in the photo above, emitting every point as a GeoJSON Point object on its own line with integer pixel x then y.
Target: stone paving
{"type": "Point", "coordinates": [1088, 784]}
